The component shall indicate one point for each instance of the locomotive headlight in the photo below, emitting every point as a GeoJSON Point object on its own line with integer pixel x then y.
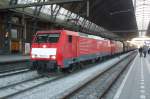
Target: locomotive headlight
{"type": "Point", "coordinates": [44, 46]}
{"type": "Point", "coordinates": [53, 57]}
{"type": "Point", "coordinates": [34, 55]}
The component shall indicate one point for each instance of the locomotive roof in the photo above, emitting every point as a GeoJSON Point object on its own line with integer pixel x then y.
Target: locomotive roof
{"type": "Point", "coordinates": [73, 33]}
{"type": "Point", "coordinates": [49, 31]}
{"type": "Point", "coordinates": [91, 36]}
{"type": "Point", "coordinates": [58, 31]}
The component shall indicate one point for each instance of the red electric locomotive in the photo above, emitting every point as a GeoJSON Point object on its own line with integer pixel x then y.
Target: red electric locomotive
{"type": "Point", "coordinates": [62, 48]}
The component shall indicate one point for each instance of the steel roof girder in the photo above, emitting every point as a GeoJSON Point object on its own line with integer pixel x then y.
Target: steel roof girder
{"type": "Point", "coordinates": [39, 4]}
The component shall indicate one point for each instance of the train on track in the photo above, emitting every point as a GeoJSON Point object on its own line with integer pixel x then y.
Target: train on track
{"type": "Point", "coordinates": [64, 49]}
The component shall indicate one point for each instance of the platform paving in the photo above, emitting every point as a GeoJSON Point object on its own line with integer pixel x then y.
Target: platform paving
{"type": "Point", "coordinates": [136, 84]}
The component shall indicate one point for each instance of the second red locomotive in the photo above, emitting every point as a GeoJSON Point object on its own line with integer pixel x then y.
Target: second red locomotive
{"type": "Point", "coordinates": [62, 48]}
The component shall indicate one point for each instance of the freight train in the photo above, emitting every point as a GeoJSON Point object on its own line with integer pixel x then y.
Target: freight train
{"type": "Point", "coordinates": [61, 49]}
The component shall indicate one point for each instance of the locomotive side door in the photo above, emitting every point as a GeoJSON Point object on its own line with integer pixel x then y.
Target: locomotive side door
{"type": "Point", "coordinates": [112, 47]}
{"type": "Point", "coordinates": [73, 45]}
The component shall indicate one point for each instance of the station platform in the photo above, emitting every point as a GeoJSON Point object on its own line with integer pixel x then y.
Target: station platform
{"type": "Point", "coordinates": [136, 83]}
{"type": "Point", "coordinates": [13, 58]}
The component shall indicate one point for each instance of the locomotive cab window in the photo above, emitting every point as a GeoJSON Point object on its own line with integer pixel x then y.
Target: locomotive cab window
{"type": "Point", "coordinates": [53, 38]}
{"type": "Point", "coordinates": [70, 38]}
{"type": "Point", "coordinates": [47, 38]}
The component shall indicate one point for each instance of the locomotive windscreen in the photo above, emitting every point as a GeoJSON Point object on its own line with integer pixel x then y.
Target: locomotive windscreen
{"type": "Point", "coordinates": [47, 38]}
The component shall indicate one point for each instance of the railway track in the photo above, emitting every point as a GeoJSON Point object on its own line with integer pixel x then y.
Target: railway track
{"type": "Point", "coordinates": [106, 87]}
{"type": "Point", "coordinates": [15, 77]}
{"type": "Point", "coordinates": [57, 88]}
{"type": "Point", "coordinates": [14, 89]}
{"type": "Point", "coordinates": [26, 85]}
{"type": "Point", "coordinates": [115, 79]}
{"type": "Point", "coordinates": [14, 66]}
{"type": "Point", "coordinates": [20, 86]}
{"type": "Point", "coordinates": [13, 72]}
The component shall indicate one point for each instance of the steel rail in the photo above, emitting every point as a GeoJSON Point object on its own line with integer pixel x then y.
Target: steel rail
{"type": "Point", "coordinates": [14, 72]}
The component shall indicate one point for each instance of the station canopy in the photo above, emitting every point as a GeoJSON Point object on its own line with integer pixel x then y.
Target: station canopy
{"type": "Point", "coordinates": [100, 16]}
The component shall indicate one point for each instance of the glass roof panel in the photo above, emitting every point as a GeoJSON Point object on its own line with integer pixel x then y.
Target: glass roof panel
{"type": "Point", "coordinates": [62, 14]}
{"type": "Point", "coordinates": [26, 1]}
{"type": "Point", "coordinates": [142, 13]}
{"type": "Point", "coordinates": [80, 20]}
{"type": "Point", "coordinates": [46, 9]}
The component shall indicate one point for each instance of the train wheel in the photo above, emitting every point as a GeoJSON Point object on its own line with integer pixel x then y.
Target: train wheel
{"type": "Point", "coordinates": [59, 70]}
{"type": "Point", "coordinates": [79, 66]}
{"type": "Point", "coordinates": [93, 61]}
{"type": "Point", "coordinates": [71, 68]}
{"type": "Point", "coordinates": [97, 60]}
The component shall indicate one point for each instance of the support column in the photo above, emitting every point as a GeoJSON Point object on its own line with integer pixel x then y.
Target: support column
{"type": "Point", "coordinates": [24, 38]}
{"type": "Point", "coordinates": [88, 8]}
{"type": "Point", "coordinates": [35, 21]}
{"type": "Point", "coordinates": [25, 27]}
{"type": "Point", "coordinates": [7, 34]}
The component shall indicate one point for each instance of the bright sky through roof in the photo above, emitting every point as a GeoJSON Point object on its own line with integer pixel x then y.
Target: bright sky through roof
{"type": "Point", "coordinates": [142, 14]}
